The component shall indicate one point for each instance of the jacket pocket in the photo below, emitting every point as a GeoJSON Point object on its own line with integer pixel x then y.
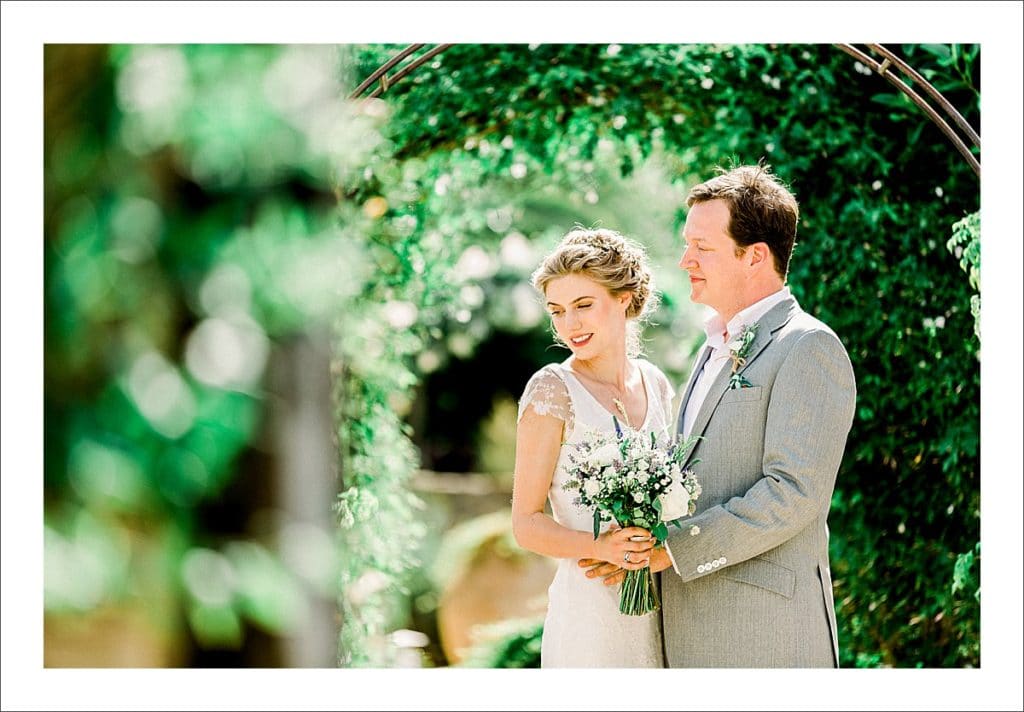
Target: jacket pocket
{"type": "Point", "coordinates": [738, 395]}
{"type": "Point", "coordinates": [764, 574]}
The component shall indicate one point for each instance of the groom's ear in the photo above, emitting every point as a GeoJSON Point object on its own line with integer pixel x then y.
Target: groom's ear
{"type": "Point", "coordinates": [759, 254]}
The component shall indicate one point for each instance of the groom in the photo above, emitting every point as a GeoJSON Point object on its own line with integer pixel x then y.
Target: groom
{"type": "Point", "coordinates": [747, 580]}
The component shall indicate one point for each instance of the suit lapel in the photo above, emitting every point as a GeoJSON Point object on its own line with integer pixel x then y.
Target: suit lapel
{"type": "Point", "coordinates": [702, 358]}
{"type": "Point", "coordinates": [771, 322]}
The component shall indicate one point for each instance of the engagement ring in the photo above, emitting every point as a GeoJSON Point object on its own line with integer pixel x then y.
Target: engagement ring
{"type": "Point", "coordinates": [626, 558]}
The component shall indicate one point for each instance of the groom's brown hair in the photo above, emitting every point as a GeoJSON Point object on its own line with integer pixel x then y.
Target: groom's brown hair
{"type": "Point", "coordinates": [761, 209]}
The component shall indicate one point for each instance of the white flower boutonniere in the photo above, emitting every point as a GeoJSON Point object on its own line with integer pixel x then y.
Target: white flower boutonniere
{"type": "Point", "coordinates": [738, 351]}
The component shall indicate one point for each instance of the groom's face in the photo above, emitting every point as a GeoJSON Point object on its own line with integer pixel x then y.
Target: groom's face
{"type": "Point", "coordinates": [717, 273]}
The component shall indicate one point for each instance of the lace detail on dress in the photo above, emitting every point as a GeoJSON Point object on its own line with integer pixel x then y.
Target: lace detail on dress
{"type": "Point", "coordinates": [547, 394]}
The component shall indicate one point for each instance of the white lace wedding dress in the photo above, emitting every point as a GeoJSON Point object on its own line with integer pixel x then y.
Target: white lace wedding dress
{"type": "Point", "coordinates": [583, 627]}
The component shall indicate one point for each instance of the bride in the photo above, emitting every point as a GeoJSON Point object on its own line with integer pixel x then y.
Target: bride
{"type": "Point", "coordinates": [597, 286]}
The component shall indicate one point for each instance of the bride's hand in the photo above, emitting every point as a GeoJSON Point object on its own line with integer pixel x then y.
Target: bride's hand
{"type": "Point", "coordinates": [611, 573]}
{"type": "Point", "coordinates": [628, 548]}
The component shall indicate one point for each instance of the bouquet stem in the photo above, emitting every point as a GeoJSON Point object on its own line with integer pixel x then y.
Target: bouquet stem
{"type": "Point", "coordinates": [638, 595]}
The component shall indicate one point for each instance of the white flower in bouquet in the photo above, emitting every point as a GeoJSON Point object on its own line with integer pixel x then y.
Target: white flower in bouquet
{"type": "Point", "coordinates": [605, 455]}
{"type": "Point", "coordinates": [592, 488]}
{"type": "Point", "coordinates": [675, 502]}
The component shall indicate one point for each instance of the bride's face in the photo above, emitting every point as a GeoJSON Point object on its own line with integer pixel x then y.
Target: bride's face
{"type": "Point", "coordinates": [586, 316]}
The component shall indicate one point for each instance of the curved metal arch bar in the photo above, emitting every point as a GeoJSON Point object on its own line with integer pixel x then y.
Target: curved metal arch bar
{"type": "Point", "coordinates": [382, 70]}
{"type": "Point", "coordinates": [931, 91]}
{"type": "Point", "coordinates": [883, 70]}
{"type": "Point", "coordinates": [423, 59]}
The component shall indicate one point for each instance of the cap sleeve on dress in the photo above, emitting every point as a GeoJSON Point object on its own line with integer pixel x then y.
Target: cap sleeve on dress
{"type": "Point", "coordinates": [547, 394]}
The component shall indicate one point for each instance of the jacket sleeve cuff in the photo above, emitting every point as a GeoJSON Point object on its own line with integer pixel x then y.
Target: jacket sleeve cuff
{"type": "Point", "coordinates": [668, 550]}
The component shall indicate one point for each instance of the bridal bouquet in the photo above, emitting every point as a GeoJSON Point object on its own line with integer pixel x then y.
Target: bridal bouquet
{"type": "Point", "coordinates": [631, 479]}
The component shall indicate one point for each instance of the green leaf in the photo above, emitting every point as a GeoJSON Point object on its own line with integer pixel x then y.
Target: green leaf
{"type": "Point", "coordinates": [939, 50]}
{"type": "Point", "coordinates": [660, 531]}
{"type": "Point", "coordinates": [597, 523]}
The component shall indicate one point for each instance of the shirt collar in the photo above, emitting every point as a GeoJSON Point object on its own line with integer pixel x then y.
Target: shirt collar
{"type": "Point", "coordinates": [713, 325]}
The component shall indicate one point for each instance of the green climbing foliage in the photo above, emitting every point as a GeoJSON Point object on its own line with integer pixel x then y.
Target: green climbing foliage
{"type": "Point", "coordinates": [965, 244]}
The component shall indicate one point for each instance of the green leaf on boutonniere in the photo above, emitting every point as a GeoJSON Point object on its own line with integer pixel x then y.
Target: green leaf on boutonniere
{"type": "Point", "coordinates": [738, 380]}
{"type": "Point", "coordinates": [748, 337]}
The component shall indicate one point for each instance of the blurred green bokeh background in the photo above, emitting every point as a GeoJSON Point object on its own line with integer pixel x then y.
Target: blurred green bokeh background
{"type": "Point", "coordinates": [193, 263]}
{"type": "Point", "coordinates": [260, 296]}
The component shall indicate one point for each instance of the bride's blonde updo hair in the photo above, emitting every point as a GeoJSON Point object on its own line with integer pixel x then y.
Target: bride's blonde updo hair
{"type": "Point", "coordinates": [613, 261]}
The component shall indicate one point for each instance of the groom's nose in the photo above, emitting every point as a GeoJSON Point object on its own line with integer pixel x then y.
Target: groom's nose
{"type": "Point", "coordinates": [687, 260]}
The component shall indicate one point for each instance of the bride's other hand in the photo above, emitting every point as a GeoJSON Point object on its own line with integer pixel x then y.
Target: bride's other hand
{"type": "Point", "coordinates": [612, 573]}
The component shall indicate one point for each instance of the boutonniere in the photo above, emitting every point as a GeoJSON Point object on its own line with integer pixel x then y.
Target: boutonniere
{"type": "Point", "coordinates": [738, 351]}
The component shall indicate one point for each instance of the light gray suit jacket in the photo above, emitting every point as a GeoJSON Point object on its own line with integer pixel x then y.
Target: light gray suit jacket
{"type": "Point", "coordinates": [754, 587]}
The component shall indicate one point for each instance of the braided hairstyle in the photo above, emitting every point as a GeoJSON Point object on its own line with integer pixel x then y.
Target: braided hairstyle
{"type": "Point", "coordinates": [617, 263]}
